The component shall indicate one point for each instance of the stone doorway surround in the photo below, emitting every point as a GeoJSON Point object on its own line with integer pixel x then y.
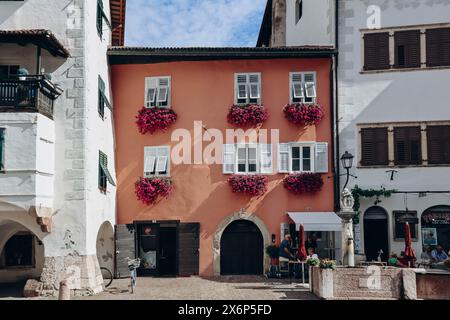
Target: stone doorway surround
{"type": "Point", "coordinates": [241, 215]}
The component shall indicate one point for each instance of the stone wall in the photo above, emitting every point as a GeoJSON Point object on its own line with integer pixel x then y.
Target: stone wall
{"type": "Point", "coordinates": [433, 286]}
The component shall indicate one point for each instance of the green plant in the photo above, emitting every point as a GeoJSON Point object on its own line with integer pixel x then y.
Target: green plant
{"type": "Point", "coordinates": [327, 264]}
{"type": "Point", "coordinates": [357, 193]}
{"type": "Point", "coordinates": [273, 251]}
{"type": "Point", "coordinates": [313, 262]}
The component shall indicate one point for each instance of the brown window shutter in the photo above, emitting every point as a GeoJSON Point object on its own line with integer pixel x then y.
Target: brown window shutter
{"type": "Point", "coordinates": [407, 145]}
{"type": "Point", "coordinates": [374, 146]}
{"type": "Point", "coordinates": [376, 51]}
{"type": "Point", "coordinates": [407, 49]}
{"type": "Point", "coordinates": [438, 138]}
{"type": "Point", "coordinates": [438, 47]}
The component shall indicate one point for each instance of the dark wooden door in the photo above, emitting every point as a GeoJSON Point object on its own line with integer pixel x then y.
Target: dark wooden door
{"type": "Point", "coordinates": [125, 248]}
{"type": "Point", "coordinates": [241, 249]}
{"type": "Point", "coordinates": [376, 233]}
{"type": "Point", "coordinates": [188, 249]}
{"type": "Point", "coordinates": [148, 242]}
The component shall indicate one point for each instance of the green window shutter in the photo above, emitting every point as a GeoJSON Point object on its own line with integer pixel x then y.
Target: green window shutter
{"type": "Point", "coordinates": [101, 97]}
{"type": "Point", "coordinates": [100, 15]}
{"type": "Point", "coordinates": [105, 175]}
{"type": "Point", "coordinates": [2, 147]}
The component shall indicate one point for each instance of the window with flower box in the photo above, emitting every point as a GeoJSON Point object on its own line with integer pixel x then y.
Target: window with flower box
{"type": "Point", "coordinates": [157, 161]}
{"type": "Point", "coordinates": [247, 159]}
{"type": "Point", "coordinates": [303, 157]}
{"type": "Point", "coordinates": [158, 92]}
{"type": "Point", "coordinates": [303, 88]}
{"type": "Point", "coordinates": [247, 88]}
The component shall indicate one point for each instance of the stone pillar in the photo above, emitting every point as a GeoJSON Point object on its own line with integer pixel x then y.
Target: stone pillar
{"type": "Point", "coordinates": [347, 214]}
{"type": "Point", "coordinates": [278, 23]}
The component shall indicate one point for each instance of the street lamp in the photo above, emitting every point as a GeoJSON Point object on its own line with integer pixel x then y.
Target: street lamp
{"type": "Point", "coordinates": [347, 163]}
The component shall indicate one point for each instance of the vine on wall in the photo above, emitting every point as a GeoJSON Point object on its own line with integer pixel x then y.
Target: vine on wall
{"type": "Point", "coordinates": [357, 193]}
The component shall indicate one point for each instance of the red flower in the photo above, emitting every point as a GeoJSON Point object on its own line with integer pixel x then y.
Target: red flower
{"type": "Point", "coordinates": [247, 116]}
{"type": "Point", "coordinates": [299, 183]}
{"type": "Point", "coordinates": [153, 119]}
{"type": "Point", "coordinates": [304, 114]}
{"type": "Point", "coordinates": [148, 190]}
{"type": "Point", "coordinates": [254, 185]}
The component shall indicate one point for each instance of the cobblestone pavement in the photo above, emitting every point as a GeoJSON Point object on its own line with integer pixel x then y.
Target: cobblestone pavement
{"type": "Point", "coordinates": [195, 288]}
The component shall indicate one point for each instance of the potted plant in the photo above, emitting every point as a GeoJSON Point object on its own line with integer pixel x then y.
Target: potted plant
{"type": "Point", "coordinates": [273, 251]}
{"type": "Point", "coordinates": [313, 262]}
{"type": "Point", "coordinates": [327, 264]}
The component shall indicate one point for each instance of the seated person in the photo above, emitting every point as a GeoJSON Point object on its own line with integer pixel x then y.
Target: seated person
{"type": "Point", "coordinates": [438, 255]}
{"type": "Point", "coordinates": [286, 248]}
{"type": "Point", "coordinates": [394, 261]}
{"type": "Point", "coordinates": [426, 253]}
{"type": "Point", "coordinates": [311, 254]}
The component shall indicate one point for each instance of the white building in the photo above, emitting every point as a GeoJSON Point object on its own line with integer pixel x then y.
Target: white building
{"type": "Point", "coordinates": [394, 67]}
{"type": "Point", "coordinates": [391, 108]}
{"type": "Point", "coordinates": [57, 193]}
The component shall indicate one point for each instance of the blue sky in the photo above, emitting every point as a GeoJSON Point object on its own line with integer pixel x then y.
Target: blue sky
{"type": "Point", "coordinates": [184, 23]}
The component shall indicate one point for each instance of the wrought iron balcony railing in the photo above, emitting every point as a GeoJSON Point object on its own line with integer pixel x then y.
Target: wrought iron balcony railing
{"type": "Point", "coordinates": [28, 94]}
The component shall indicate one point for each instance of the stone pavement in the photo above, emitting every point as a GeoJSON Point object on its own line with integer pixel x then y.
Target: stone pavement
{"type": "Point", "coordinates": [196, 288]}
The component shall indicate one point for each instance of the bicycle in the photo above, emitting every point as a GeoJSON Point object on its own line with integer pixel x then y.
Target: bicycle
{"type": "Point", "coordinates": [133, 264]}
{"type": "Point", "coordinates": [107, 276]}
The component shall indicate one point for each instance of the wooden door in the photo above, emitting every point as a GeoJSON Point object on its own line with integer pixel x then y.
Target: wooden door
{"type": "Point", "coordinates": [188, 249]}
{"type": "Point", "coordinates": [125, 248]}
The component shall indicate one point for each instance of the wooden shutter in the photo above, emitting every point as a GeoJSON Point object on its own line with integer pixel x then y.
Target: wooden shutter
{"type": "Point", "coordinates": [438, 47]}
{"type": "Point", "coordinates": [407, 145]}
{"type": "Point", "coordinates": [266, 158]}
{"type": "Point", "coordinates": [229, 158]}
{"type": "Point", "coordinates": [374, 146]}
{"type": "Point", "coordinates": [376, 51]}
{"type": "Point", "coordinates": [438, 138]}
{"type": "Point", "coordinates": [283, 157]}
{"type": "Point", "coordinates": [125, 248]}
{"type": "Point", "coordinates": [188, 249]}
{"type": "Point", "coordinates": [407, 49]}
{"type": "Point", "coordinates": [321, 160]}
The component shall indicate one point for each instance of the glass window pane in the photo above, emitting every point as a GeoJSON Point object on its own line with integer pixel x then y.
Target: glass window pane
{"type": "Point", "coordinates": [242, 154]}
{"type": "Point", "coordinates": [306, 164]}
{"type": "Point", "coordinates": [295, 152]}
{"type": "Point", "coordinates": [252, 167]}
{"type": "Point", "coordinates": [295, 164]}
{"type": "Point", "coordinates": [241, 167]}
{"type": "Point", "coordinates": [252, 153]}
{"type": "Point", "coordinates": [306, 152]}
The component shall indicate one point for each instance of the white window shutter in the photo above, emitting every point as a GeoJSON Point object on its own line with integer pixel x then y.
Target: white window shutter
{"type": "Point", "coordinates": [229, 158]}
{"type": "Point", "coordinates": [151, 91]}
{"type": "Point", "coordinates": [283, 157]}
{"type": "Point", "coordinates": [161, 164]}
{"type": "Point", "coordinates": [150, 154]}
{"type": "Point", "coordinates": [310, 90]}
{"type": "Point", "coordinates": [266, 165]}
{"type": "Point", "coordinates": [321, 160]}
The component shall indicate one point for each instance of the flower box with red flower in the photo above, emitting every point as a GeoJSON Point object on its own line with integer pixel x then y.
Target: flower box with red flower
{"type": "Point", "coordinates": [253, 185]}
{"type": "Point", "coordinates": [247, 115]}
{"type": "Point", "coordinates": [149, 190]}
{"type": "Point", "coordinates": [306, 182]}
{"type": "Point", "coordinates": [304, 114]}
{"type": "Point", "coordinates": [150, 120]}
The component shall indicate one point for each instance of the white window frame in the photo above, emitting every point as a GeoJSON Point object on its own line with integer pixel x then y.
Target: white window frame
{"type": "Point", "coordinates": [248, 146]}
{"type": "Point", "coordinates": [304, 83]}
{"type": "Point", "coordinates": [154, 83]}
{"type": "Point", "coordinates": [161, 152]}
{"type": "Point", "coordinates": [248, 85]}
{"type": "Point", "coordinates": [260, 169]}
{"type": "Point", "coordinates": [301, 145]}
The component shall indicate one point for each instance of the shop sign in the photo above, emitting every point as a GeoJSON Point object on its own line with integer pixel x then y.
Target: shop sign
{"type": "Point", "coordinates": [438, 218]}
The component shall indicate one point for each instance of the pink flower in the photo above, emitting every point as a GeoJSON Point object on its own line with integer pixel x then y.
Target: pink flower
{"type": "Point", "coordinates": [153, 119]}
{"type": "Point", "coordinates": [254, 185]}
{"type": "Point", "coordinates": [148, 190]}
{"type": "Point", "coordinates": [300, 183]}
{"type": "Point", "coordinates": [247, 116]}
{"type": "Point", "coordinates": [304, 114]}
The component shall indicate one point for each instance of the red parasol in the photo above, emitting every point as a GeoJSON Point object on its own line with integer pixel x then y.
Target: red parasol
{"type": "Point", "coordinates": [301, 253]}
{"type": "Point", "coordinates": [409, 251]}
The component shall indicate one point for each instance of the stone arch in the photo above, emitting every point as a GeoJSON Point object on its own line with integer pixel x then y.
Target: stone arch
{"type": "Point", "coordinates": [241, 215]}
{"type": "Point", "coordinates": [105, 246]}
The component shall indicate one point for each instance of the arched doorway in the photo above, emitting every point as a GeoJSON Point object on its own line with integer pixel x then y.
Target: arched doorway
{"type": "Point", "coordinates": [435, 224]}
{"type": "Point", "coordinates": [376, 236]}
{"type": "Point", "coordinates": [105, 246]}
{"type": "Point", "coordinates": [241, 249]}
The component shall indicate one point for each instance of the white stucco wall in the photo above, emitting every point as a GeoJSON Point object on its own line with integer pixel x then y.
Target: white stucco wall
{"type": "Point", "coordinates": [316, 27]}
{"type": "Point", "coordinates": [391, 97]}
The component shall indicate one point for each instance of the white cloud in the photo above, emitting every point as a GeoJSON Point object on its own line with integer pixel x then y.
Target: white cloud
{"type": "Point", "coordinates": [166, 23]}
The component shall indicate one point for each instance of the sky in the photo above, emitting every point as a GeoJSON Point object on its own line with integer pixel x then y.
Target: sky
{"type": "Point", "coordinates": [190, 23]}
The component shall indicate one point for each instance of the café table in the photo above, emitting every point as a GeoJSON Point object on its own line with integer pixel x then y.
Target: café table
{"type": "Point", "coordinates": [293, 264]}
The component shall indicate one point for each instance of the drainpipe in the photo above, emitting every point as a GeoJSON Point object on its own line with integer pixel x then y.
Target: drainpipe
{"type": "Point", "coordinates": [335, 119]}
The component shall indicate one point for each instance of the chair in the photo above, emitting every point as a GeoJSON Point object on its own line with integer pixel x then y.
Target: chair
{"type": "Point", "coordinates": [283, 266]}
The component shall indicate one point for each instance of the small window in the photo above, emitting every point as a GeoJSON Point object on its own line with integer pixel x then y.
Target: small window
{"type": "Point", "coordinates": [248, 88]}
{"type": "Point", "coordinates": [104, 176]}
{"type": "Point", "coordinates": [2, 149]}
{"type": "Point", "coordinates": [298, 10]}
{"type": "Point", "coordinates": [300, 157]}
{"type": "Point", "coordinates": [407, 49]}
{"type": "Point", "coordinates": [157, 92]}
{"type": "Point", "coordinates": [102, 99]}
{"type": "Point", "coordinates": [247, 158]}
{"type": "Point", "coordinates": [438, 47]}
{"type": "Point", "coordinates": [7, 71]}
{"type": "Point", "coordinates": [438, 139]}
{"type": "Point", "coordinates": [18, 251]}
{"type": "Point", "coordinates": [400, 219]}
{"type": "Point", "coordinates": [156, 161]}
{"type": "Point", "coordinates": [303, 87]}
{"type": "Point", "coordinates": [376, 51]}
{"type": "Point", "coordinates": [407, 145]}
{"type": "Point", "coordinates": [374, 147]}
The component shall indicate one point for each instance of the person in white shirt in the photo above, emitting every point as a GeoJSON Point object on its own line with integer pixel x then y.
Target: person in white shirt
{"type": "Point", "coordinates": [311, 254]}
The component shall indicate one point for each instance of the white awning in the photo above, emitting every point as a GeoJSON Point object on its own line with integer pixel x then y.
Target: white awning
{"type": "Point", "coordinates": [316, 221]}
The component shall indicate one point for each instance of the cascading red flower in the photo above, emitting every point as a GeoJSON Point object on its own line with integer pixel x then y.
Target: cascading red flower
{"type": "Point", "coordinates": [247, 116]}
{"type": "Point", "coordinates": [149, 190]}
{"type": "Point", "coordinates": [304, 114]}
{"type": "Point", "coordinates": [306, 182]}
{"type": "Point", "coordinates": [253, 185]}
{"type": "Point", "coordinates": [152, 119]}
